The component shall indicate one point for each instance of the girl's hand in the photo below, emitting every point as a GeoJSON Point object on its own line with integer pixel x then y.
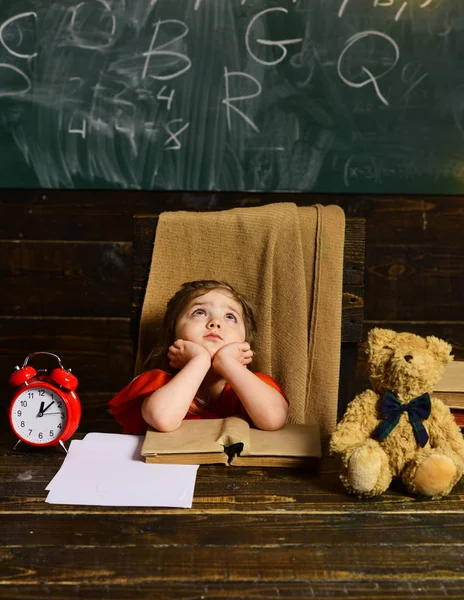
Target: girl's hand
{"type": "Point", "coordinates": [240, 353]}
{"type": "Point", "coordinates": [182, 352]}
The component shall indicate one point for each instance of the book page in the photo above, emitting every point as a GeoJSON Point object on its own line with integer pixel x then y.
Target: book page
{"type": "Point", "coordinates": [452, 379]}
{"type": "Point", "coordinates": [451, 399]}
{"type": "Point", "coordinates": [235, 431]}
{"type": "Point", "coordinates": [193, 458]}
{"type": "Point", "coordinates": [192, 436]}
{"type": "Point", "coordinates": [291, 440]}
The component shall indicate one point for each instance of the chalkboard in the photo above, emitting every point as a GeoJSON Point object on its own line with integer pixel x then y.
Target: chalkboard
{"type": "Point", "coordinates": [300, 95]}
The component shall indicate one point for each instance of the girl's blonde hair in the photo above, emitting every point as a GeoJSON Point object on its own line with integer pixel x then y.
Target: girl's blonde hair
{"type": "Point", "coordinates": [191, 289]}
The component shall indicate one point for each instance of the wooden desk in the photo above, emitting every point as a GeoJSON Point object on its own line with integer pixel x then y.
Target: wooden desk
{"type": "Point", "coordinates": [252, 533]}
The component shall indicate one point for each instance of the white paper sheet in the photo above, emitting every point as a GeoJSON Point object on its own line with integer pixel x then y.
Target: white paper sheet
{"type": "Point", "coordinates": [106, 469]}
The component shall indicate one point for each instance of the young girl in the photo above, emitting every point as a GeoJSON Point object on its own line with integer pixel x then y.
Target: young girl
{"type": "Point", "coordinates": [208, 328]}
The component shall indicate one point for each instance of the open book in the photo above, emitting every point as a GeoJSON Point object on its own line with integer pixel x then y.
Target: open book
{"type": "Point", "coordinates": [232, 441]}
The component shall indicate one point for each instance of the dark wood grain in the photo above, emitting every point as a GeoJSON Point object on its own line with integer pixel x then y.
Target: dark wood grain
{"type": "Point", "coordinates": [99, 351]}
{"type": "Point", "coordinates": [102, 215]}
{"type": "Point", "coordinates": [380, 589]}
{"type": "Point", "coordinates": [138, 563]}
{"type": "Point", "coordinates": [85, 214]}
{"type": "Point", "coordinates": [248, 530]}
{"type": "Point", "coordinates": [415, 283]}
{"type": "Point", "coordinates": [66, 278]}
{"type": "Point", "coordinates": [409, 220]}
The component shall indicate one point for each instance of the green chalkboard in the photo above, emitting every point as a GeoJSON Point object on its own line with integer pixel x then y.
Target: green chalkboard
{"type": "Point", "coordinates": [257, 95]}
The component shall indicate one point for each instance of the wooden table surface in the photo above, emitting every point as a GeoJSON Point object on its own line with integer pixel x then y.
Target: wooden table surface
{"type": "Point", "coordinates": [252, 533]}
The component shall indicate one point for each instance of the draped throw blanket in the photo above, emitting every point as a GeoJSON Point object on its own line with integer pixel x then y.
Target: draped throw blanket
{"type": "Point", "coordinates": [288, 261]}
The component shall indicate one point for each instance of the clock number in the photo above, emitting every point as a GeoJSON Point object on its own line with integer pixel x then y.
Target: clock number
{"type": "Point", "coordinates": [23, 424]}
{"type": "Point", "coordinates": [59, 426]}
{"type": "Point", "coordinates": [62, 415]}
{"type": "Point", "coordinates": [30, 431]}
{"type": "Point", "coordinates": [24, 403]}
{"type": "Point", "coordinates": [52, 433]}
{"type": "Point", "coordinates": [30, 395]}
{"type": "Point", "coordinates": [40, 436]}
{"type": "Point", "coordinates": [41, 392]}
{"type": "Point", "coordinates": [59, 404]}
{"type": "Point", "coordinates": [19, 412]}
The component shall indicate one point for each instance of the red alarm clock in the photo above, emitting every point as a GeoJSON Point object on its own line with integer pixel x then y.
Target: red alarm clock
{"type": "Point", "coordinates": [45, 410]}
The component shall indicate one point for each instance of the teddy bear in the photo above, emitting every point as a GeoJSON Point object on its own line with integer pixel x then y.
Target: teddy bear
{"type": "Point", "coordinates": [398, 428]}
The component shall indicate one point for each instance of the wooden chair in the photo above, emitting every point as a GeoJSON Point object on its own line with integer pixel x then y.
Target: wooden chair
{"type": "Point", "coordinates": [144, 232]}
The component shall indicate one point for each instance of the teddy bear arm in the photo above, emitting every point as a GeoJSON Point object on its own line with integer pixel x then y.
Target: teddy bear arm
{"type": "Point", "coordinates": [357, 424]}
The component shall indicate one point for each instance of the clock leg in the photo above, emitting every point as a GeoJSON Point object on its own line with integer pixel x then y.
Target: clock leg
{"type": "Point", "coordinates": [62, 445]}
{"type": "Point", "coordinates": [16, 445]}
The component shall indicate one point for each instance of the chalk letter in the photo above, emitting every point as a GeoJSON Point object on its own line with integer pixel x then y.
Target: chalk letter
{"type": "Point", "coordinates": [370, 77]}
{"type": "Point", "coordinates": [5, 24]}
{"type": "Point", "coordinates": [228, 100]}
{"type": "Point", "coordinates": [160, 52]}
{"type": "Point", "coordinates": [14, 92]}
{"type": "Point", "coordinates": [281, 44]}
{"type": "Point", "coordinates": [80, 42]}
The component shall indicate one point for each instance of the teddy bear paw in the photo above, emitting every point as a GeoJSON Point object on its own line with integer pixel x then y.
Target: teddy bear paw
{"type": "Point", "coordinates": [364, 469]}
{"type": "Point", "coordinates": [435, 476]}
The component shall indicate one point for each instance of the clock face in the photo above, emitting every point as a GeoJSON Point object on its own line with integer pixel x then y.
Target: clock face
{"type": "Point", "coordinates": [39, 415]}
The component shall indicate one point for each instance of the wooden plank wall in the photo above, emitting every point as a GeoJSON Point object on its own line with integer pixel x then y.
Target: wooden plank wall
{"type": "Point", "coordinates": [66, 274]}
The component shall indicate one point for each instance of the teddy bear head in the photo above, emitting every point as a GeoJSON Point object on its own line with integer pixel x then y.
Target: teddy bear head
{"type": "Point", "coordinates": [404, 363]}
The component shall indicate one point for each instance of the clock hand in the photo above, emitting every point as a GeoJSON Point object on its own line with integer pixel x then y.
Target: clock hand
{"type": "Point", "coordinates": [54, 413]}
{"type": "Point", "coordinates": [41, 409]}
{"type": "Point", "coordinates": [48, 406]}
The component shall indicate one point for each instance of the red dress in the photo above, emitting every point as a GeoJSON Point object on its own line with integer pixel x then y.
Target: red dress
{"type": "Point", "coordinates": [126, 406]}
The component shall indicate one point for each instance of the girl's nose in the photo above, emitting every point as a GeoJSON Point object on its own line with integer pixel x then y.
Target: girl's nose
{"type": "Point", "coordinates": [214, 323]}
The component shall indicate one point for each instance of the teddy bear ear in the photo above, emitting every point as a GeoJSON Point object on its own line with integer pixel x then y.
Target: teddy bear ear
{"type": "Point", "coordinates": [440, 349]}
{"type": "Point", "coordinates": [377, 338]}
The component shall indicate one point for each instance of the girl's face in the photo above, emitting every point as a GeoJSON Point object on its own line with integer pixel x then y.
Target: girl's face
{"type": "Point", "coordinates": [212, 320]}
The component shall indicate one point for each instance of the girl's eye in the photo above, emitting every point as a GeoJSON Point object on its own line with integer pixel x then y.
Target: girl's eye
{"type": "Point", "coordinates": [231, 317]}
{"type": "Point", "coordinates": [198, 311]}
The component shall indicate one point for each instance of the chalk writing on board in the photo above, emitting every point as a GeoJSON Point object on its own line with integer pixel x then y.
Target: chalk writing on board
{"type": "Point", "coordinates": [104, 38]}
{"type": "Point", "coordinates": [233, 94]}
{"type": "Point", "coordinates": [398, 6]}
{"type": "Point", "coordinates": [161, 51]}
{"type": "Point", "coordinates": [281, 44]}
{"type": "Point", "coordinates": [370, 77]}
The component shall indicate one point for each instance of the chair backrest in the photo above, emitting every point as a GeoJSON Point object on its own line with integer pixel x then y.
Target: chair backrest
{"type": "Point", "coordinates": [144, 232]}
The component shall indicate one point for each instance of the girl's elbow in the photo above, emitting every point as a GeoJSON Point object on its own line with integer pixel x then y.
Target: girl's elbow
{"type": "Point", "coordinates": [166, 427]}
{"type": "Point", "coordinates": [275, 421]}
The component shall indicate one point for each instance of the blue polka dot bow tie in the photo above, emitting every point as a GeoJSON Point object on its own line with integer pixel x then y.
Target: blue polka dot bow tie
{"type": "Point", "coordinates": [391, 410]}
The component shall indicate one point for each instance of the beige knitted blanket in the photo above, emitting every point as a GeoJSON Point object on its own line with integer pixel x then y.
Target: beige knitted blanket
{"type": "Point", "coordinates": [289, 262]}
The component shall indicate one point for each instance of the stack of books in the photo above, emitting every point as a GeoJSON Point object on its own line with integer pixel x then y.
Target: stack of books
{"type": "Point", "coordinates": [450, 389]}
